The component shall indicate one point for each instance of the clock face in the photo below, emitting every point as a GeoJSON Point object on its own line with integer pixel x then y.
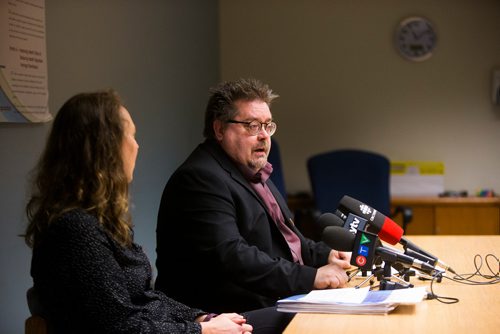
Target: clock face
{"type": "Point", "coordinates": [415, 38]}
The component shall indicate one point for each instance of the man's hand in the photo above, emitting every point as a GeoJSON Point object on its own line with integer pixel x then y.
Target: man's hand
{"type": "Point", "coordinates": [330, 276]}
{"type": "Point", "coordinates": [341, 259]}
{"type": "Point", "coordinates": [333, 274]}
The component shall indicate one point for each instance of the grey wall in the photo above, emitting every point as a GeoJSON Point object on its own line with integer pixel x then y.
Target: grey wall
{"type": "Point", "coordinates": [343, 85]}
{"type": "Point", "coordinates": [161, 56]}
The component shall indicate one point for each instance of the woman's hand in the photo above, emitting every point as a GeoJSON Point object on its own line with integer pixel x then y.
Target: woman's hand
{"type": "Point", "coordinates": [226, 323]}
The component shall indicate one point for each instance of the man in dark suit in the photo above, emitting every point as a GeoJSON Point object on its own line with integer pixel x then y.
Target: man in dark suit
{"type": "Point", "coordinates": [225, 236]}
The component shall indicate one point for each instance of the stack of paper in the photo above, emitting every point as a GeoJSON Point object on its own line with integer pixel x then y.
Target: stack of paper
{"type": "Point", "coordinates": [352, 301]}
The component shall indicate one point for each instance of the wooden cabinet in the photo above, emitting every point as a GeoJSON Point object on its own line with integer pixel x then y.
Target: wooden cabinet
{"type": "Point", "coordinates": [451, 215]}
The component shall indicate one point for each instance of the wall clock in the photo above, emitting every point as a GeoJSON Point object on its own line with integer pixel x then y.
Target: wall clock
{"type": "Point", "coordinates": [415, 38]}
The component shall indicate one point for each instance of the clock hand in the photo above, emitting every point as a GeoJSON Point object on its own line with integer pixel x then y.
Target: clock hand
{"type": "Point", "coordinates": [415, 36]}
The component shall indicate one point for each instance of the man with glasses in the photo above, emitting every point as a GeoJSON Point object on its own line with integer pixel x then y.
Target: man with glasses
{"type": "Point", "coordinates": [225, 236]}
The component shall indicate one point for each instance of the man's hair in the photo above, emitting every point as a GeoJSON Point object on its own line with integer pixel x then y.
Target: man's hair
{"type": "Point", "coordinates": [82, 168]}
{"type": "Point", "coordinates": [221, 104]}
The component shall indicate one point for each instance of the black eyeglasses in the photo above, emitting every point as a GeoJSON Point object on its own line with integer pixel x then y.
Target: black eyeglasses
{"type": "Point", "coordinates": [254, 127]}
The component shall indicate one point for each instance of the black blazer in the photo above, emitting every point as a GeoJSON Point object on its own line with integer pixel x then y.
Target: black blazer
{"type": "Point", "coordinates": [217, 246]}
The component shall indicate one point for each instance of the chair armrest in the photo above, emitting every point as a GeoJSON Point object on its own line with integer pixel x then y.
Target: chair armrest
{"type": "Point", "coordinates": [406, 212]}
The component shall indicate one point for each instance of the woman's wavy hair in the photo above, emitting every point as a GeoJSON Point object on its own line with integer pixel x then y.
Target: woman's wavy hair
{"type": "Point", "coordinates": [82, 168]}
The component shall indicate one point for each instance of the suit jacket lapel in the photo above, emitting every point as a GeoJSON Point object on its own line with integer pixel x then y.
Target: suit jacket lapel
{"type": "Point", "coordinates": [229, 166]}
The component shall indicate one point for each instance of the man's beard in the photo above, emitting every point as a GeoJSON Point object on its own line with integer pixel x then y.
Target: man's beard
{"type": "Point", "coordinates": [257, 164]}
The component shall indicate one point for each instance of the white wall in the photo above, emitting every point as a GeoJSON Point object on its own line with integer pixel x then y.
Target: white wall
{"type": "Point", "coordinates": [161, 56]}
{"type": "Point", "coordinates": [343, 85]}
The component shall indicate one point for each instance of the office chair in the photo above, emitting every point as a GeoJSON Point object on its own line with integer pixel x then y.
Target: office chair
{"type": "Point", "coordinates": [360, 174]}
{"type": "Point", "coordinates": [35, 324]}
{"type": "Point", "coordinates": [274, 159]}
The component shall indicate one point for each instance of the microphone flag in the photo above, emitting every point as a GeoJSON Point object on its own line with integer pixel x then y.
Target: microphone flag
{"type": "Point", "coordinates": [363, 253]}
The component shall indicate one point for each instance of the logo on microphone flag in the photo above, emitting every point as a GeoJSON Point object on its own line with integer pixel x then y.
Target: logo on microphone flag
{"type": "Point", "coordinates": [360, 260]}
{"type": "Point", "coordinates": [364, 250]}
{"type": "Point", "coordinates": [364, 239]}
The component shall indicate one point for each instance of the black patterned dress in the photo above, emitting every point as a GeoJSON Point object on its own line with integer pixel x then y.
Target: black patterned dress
{"type": "Point", "coordinates": [88, 283]}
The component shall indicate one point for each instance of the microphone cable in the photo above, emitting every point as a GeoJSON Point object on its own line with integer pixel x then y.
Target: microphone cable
{"type": "Point", "coordinates": [492, 278]}
{"type": "Point", "coordinates": [467, 279]}
{"type": "Point", "coordinates": [442, 299]}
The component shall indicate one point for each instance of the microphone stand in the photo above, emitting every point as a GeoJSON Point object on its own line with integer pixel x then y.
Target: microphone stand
{"type": "Point", "coordinates": [375, 272]}
{"type": "Point", "coordinates": [384, 276]}
{"type": "Point", "coordinates": [403, 271]}
{"type": "Point", "coordinates": [387, 284]}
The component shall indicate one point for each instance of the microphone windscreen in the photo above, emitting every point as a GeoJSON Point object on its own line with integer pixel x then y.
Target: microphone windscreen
{"type": "Point", "coordinates": [329, 219]}
{"type": "Point", "coordinates": [350, 205]}
{"type": "Point", "coordinates": [338, 238]}
{"type": "Point", "coordinates": [390, 232]}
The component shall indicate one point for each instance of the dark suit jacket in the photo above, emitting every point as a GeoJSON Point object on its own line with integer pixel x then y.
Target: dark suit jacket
{"type": "Point", "coordinates": [217, 246]}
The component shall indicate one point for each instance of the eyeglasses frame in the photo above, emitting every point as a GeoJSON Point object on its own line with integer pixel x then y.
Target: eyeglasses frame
{"type": "Point", "coordinates": [261, 128]}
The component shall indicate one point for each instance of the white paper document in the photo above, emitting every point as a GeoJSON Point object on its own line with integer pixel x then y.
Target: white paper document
{"type": "Point", "coordinates": [352, 300]}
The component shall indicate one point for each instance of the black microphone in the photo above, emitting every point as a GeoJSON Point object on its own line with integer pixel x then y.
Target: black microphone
{"type": "Point", "coordinates": [364, 247]}
{"type": "Point", "coordinates": [387, 230]}
{"type": "Point", "coordinates": [329, 219]}
{"type": "Point", "coordinates": [362, 244]}
{"type": "Point", "coordinates": [351, 222]}
{"type": "Point", "coordinates": [394, 256]}
{"type": "Point", "coordinates": [411, 248]}
{"type": "Point", "coordinates": [355, 223]}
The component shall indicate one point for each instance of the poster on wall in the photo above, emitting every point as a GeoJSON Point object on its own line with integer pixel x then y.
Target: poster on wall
{"type": "Point", "coordinates": [24, 95]}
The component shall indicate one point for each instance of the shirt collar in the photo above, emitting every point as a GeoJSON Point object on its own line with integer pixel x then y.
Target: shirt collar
{"type": "Point", "coordinates": [262, 175]}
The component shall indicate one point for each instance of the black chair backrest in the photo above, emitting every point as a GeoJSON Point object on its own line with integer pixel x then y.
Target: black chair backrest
{"type": "Point", "coordinates": [360, 174]}
{"type": "Point", "coordinates": [34, 303]}
{"type": "Point", "coordinates": [274, 159]}
{"type": "Point", "coordinates": [36, 323]}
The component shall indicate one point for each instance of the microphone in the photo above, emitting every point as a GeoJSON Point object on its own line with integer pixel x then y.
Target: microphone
{"type": "Point", "coordinates": [385, 227]}
{"type": "Point", "coordinates": [355, 223]}
{"type": "Point", "coordinates": [329, 219]}
{"type": "Point", "coordinates": [411, 248]}
{"type": "Point", "coordinates": [387, 230]}
{"type": "Point", "coordinates": [391, 255]}
{"type": "Point", "coordinates": [351, 222]}
{"type": "Point", "coordinates": [364, 247]}
{"type": "Point", "coordinates": [362, 244]}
